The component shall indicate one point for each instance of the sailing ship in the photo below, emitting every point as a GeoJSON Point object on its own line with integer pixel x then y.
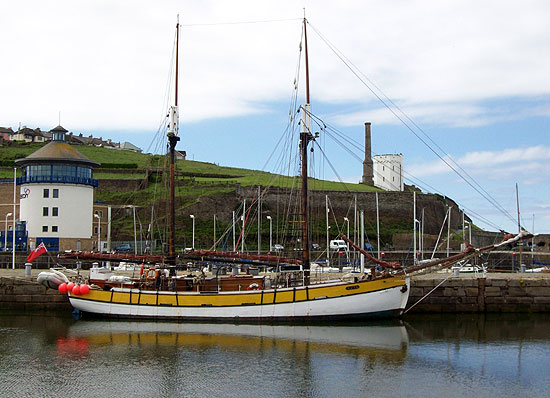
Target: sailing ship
{"type": "Point", "coordinates": [160, 293]}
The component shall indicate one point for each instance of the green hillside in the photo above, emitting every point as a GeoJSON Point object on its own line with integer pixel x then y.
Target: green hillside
{"type": "Point", "coordinates": [195, 173]}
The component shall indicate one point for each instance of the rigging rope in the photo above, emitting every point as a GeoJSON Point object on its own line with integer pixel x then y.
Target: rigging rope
{"type": "Point", "coordinates": [388, 103]}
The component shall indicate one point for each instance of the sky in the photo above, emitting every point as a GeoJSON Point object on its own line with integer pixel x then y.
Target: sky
{"type": "Point", "coordinates": [469, 78]}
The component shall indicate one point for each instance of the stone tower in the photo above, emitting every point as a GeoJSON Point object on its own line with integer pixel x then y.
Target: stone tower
{"type": "Point", "coordinates": [367, 163]}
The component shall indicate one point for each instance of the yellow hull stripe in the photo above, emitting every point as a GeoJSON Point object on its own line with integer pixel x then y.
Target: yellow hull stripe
{"type": "Point", "coordinates": [257, 297]}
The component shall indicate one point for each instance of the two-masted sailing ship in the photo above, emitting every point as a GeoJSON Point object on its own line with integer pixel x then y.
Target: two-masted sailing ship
{"type": "Point", "coordinates": [160, 293]}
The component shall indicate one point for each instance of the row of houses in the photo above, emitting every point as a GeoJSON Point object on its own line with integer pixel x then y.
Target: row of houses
{"type": "Point", "coordinates": [26, 134]}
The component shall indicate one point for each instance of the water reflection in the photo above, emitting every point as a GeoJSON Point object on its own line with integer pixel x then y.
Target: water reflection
{"type": "Point", "coordinates": [381, 340]}
{"type": "Point", "coordinates": [462, 356]}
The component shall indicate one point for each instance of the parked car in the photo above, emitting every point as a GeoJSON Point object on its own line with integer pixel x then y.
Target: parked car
{"type": "Point", "coordinates": [277, 247]}
{"type": "Point", "coordinates": [123, 248]}
{"type": "Point", "coordinates": [338, 244]}
{"type": "Point", "coordinates": [315, 246]}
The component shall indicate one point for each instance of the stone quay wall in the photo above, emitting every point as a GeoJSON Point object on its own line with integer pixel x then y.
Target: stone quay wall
{"type": "Point", "coordinates": [27, 295]}
{"type": "Point", "coordinates": [513, 292]}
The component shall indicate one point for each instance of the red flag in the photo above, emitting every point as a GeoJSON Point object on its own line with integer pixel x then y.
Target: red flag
{"type": "Point", "coordinates": [41, 249]}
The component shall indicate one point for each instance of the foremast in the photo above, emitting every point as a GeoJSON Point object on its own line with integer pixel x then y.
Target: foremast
{"type": "Point", "coordinates": [305, 138]}
{"type": "Point", "coordinates": [173, 139]}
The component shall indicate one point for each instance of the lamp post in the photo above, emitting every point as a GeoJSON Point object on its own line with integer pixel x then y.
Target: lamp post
{"type": "Point", "coordinates": [469, 232]}
{"type": "Point", "coordinates": [270, 233]}
{"type": "Point", "coordinates": [415, 260]}
{"type": "Point", "coordinates": [193, 241]}
{"type": "Point", "coordinates": [98, 232]}
{"type": "Point", "coordinates": [6, 235]}
{"type": "Point", "coordinates": [242, 234]}
{"type": "Point", "coordinates": [347, 221]}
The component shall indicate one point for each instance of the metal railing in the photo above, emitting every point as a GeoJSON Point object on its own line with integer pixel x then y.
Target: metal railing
{"type": "Point", "coordinates": [57, 179]}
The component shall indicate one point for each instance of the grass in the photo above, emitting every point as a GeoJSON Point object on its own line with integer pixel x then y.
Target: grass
{"type": "Point", "coordinates": [202, 172]}
{"type": "Point", "coordinates": [199, 179]}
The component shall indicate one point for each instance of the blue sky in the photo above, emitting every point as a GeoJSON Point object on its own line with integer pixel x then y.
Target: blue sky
{"type": "Point", "coordinates": [472, 75]}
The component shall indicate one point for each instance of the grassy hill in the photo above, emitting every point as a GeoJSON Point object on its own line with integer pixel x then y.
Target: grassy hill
{"type": "Point", "coordinates": [203, 173]}
{"type": "Point", "coordinates": [204, 187]}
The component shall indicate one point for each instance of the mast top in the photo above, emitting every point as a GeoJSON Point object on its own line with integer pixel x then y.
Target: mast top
{"type": "Point", "coordinates": [173, 113]}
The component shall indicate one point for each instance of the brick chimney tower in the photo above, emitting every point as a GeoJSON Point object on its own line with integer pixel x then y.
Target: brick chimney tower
{"type": "Point", "coordinates": [368, 173]}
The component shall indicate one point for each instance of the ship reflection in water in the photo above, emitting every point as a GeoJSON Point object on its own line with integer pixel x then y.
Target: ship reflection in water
{"type": "Point", "coordinates": [421, 356]}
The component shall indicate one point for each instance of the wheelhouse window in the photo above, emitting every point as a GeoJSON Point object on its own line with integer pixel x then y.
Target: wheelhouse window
{"type": "Point", "coordinates": [46, 193]}
{"type": "Point", "coordinates": [44, 228]}
{"type": "Point", "coordinates": [54, 228]}
{"type": "Point", "coordinates": [55, 211]}
{"type": "Point", "coordinates": [55, 193]}
{"type": "Point", "coordinates": [45, 211]}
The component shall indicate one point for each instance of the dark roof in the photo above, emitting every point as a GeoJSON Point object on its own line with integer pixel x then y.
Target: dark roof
{"type": "Point", "coordinates": [6, 130]}
{"type": "Point", "coordinates": [31, 132]}
{"type": "Point", "coordinates": [58, 129]}
{"type": "Point", "coordinates": [56, 152]}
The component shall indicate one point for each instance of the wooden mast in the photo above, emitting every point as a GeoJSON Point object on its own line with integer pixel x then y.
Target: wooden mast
{"type": "Point", "coordinates": [173, 140]}
{"type": "Point", "coordinates": [305, 137]}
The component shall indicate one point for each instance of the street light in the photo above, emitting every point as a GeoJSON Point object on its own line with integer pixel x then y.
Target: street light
{"type": "Point", "coordinates": [6, 235]}
{"type": "Point", "coordinates": [347, 220]}
{"type": "Point", "coordinates": [270, 233]}
{"type": "Point", "coordinates": [415, 260]}
{"type": "Point", "coordinates": [193, 241]}
{"type": "Point", "coordinates": [469, 231]}
{"type": "Point", "coordinates": [98, 232]}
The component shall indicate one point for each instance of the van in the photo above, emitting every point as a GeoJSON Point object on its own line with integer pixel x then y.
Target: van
{"type": "Point", "coordinates": [338, 244]}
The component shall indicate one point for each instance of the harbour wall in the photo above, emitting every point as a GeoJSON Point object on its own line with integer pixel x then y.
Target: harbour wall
{"type": "Point", "coordinates": [511, 292]}
{"type": "Point", "coordinates": [25, 294]}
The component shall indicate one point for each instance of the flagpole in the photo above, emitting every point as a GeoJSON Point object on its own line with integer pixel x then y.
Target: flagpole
{"type": "Point", "coordinates": [13, 228]}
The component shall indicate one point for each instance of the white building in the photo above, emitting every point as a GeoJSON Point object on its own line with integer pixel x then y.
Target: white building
{"type": "Point", "coordinates": [388, 172]}
{"type": "Point", "coordinates": [57, 195]}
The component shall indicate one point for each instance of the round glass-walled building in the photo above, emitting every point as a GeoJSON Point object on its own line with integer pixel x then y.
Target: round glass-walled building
{"type": "Point", "coordinates": [57, 192]}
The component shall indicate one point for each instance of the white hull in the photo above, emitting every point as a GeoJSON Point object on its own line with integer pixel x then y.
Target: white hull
{"type": "Point", "coordinates": [386, 302]}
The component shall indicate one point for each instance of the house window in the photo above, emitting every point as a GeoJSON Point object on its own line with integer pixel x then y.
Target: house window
{"type": "Point", "coordinates": [55, 193]}
{"type": "Point", "coordinates": [45, 211]}
{"type": "Point", "coordinates": [54, 228]}
{"type": "Point", "coordinates": [55, 211]}
{"type": "Point", "coordinates": [99, 213]}
{"type": "Point", "coordinates": [44, 228]}
{"type": "Point", "coordinates": [46, 193]}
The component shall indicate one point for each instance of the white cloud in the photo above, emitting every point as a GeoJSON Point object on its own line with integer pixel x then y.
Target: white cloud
{"type": "Point", "coordinates": [104, 64]}
{"type": "Point", "coordinates": [518, 161]}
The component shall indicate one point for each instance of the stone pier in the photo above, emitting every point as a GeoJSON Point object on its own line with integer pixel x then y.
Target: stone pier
{"type": "Point", "coordinates": [494, 292]}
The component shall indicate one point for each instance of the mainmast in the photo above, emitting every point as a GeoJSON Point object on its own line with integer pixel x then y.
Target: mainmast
{"type": "Point", "coordinates": [173, 140]}
{"type": "Point", "coordinates": [305, 137]}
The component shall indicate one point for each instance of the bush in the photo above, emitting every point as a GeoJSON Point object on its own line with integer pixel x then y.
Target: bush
{"type": "Point", "coordinates": [118, 166]}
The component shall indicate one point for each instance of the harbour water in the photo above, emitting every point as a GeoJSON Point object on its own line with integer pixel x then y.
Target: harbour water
{"type": "Point", "coordinates": [493, 355]}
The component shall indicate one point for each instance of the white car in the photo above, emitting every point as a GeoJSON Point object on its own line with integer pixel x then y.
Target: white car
{"type": "Point", "coordinates": [277, 247]}
{"type": "Point", "coordinates": [338, 244]}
